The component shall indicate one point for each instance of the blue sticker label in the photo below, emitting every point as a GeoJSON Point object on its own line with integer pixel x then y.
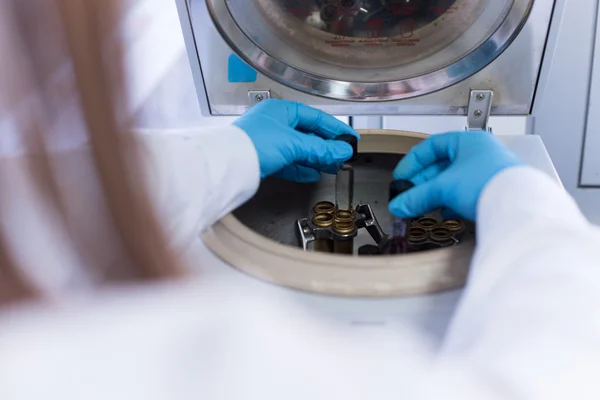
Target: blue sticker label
{"type": "Point", "coordinates": [238, 71]}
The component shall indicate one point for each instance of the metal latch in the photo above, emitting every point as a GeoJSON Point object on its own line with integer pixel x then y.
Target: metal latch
{"type": "Point", "coordinates": [256, 96]}
{"type": "Point", "coordinates": [480, 107]}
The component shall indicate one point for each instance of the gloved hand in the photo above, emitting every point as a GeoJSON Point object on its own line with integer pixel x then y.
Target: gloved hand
{"type": "Point", "coordinates": [449, 172]}
{"type": "Point", "coordinates": [294, 141]}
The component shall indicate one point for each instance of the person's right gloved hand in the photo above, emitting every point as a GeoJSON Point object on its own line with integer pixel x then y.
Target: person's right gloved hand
{"type": "Point", "coordinates": [294, 141]}
{"type": "Point", "coordinates": [449, 172]}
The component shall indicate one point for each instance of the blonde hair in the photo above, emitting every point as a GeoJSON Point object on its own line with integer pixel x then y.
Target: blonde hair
{"type": "Point", "coordinates": [36, 37]}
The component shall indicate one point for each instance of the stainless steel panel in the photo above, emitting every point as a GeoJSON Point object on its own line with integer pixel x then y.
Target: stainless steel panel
{"type": "Point", "coordinates": [478, 113]}
{"type": "Point", "coordinates": [370, 122]}
{"type": "Point", "coordinates": [188, 30]}
{"type": "Point", "coordinates": [590, 165]}
{"type": "Point", "coordinates": [500, 124]}
{"type": "Point", "coordinates": [292, 51]}
{"type": "Point", "coordinates": [513, 87]}
{"type": "Point", "coordinates": [561, 104]}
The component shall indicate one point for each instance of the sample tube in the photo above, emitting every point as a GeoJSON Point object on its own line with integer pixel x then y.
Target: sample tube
{"type": "Point", "coordinates": [398, 243]}
{"type": "Point", "coordinates": [428, 223]}
{"type": "Point", "coordinates": [344, 246]}
{"type": "Point", "coordinates": [417, 239]}
{"type": "Point", "coordinates": [457, 227]}
{"type": "Point", "coordinates": [417, 235]}
{"type": "Point", "coordinates": [343, 224]}
{"type": "Point", "coordinates": [344, 188]}
{"type": "Point", "coordinates": [323, 220]}
{"type": "Point", "coordinates": [399, 240]}
{"type": "Point", "coordinates": [324, 207]}
{"type": "Point", "coordinates": [453, 225]}
{"type": "Point", "coordinates": [441, 235]}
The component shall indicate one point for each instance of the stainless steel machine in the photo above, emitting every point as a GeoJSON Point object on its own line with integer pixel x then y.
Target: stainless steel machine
{"type": "Point", "coordinates": [367, 57]}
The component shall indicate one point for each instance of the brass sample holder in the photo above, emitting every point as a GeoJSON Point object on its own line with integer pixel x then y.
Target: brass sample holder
{"type": "Point", "coordinates": [427, 233]}
{"type": "Point", "coordinates": [333, 231]}
{"type": "Point", "coordinates": [331, 228]}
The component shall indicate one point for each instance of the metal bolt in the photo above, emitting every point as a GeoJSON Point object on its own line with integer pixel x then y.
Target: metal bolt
{"type": "Point", "coordinates": [480, 96]}
{"type": "Point", "coordinates": [259, 97]}
{"type": "Point", "coordinates": [478, 113]}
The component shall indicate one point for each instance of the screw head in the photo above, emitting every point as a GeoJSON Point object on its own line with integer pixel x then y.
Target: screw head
{"type": "Point", "coordinates": [478, 113]}
{"type": "Point", "coordinates": [259, 97]}
{"type": "Point", "coordinates": [480, 96]}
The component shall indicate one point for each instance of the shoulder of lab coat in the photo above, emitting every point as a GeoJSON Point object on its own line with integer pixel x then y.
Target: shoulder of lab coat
{"type": "Point", "coordinates": [197, 176]}
{"type": "Point", "coordinates": [527, 323]}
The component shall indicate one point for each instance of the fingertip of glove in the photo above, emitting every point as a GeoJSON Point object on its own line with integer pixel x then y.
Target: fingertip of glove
{"type": "Point", "coordinates": [298, 173]}
{"type": "Point", "coordinates": [352, 141]}
{"type": "Point", "coordinates": [400, 172]}
{"type": "Point", "coordinates": [309, 177]}
{"type": "Point", "coordinates": [397, 207]}
{"type": "Point", "coordinates": [341, 151]}
{"type": "Point", "coordinates": [405, 167]}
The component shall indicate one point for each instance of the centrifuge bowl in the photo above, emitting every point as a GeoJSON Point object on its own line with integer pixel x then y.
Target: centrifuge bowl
{"type": "Point", "coordinates": [268, 251]}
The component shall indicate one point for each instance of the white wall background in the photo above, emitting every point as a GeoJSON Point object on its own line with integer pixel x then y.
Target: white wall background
{"type": "Point", "coordinates": [565, 102]}
{"type": "Point", "coordinates": [161, 88]}
{"type": "Point", "coordinates": [153, 44]}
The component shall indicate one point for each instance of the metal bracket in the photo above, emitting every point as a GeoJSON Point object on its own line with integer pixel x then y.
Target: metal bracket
{"type": "Point", "coordinates": [480, 107]}
{"type": "Point", "coordinates": [364, 218]}
{"type": "Point", "coordinates": [304, 233]}
{"type": "Point", "coordinates": [369, 221]}
{"type": "Point", "coordinates": [256, 96]}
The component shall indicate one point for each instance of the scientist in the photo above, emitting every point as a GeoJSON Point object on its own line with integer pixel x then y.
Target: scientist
{"type": "Point", "coordinates": [77, 323]}
{"type": "Point", "coordinates": [526, 327]}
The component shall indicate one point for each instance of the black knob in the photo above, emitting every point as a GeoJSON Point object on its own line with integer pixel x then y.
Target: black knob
{"type": "Point", "coordinates": [352, 141]}
{"type": "Point", "coordinates": [398, 187]}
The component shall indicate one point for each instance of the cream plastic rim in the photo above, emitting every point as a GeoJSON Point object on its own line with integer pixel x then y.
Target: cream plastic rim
{"type": "Point", "coordinates": [378, 276]}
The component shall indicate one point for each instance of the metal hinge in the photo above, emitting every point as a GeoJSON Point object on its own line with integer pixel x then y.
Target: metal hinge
{"type": "Point", "coordinates": [256, 96]}
{"type": "Point", "coordinates": [480, 107]}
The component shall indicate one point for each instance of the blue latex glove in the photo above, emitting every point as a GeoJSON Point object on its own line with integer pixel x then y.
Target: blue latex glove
{"type": "Point", "coordinates": [294, 141]}
{"type": "Point", "coordinates": [449, 172]}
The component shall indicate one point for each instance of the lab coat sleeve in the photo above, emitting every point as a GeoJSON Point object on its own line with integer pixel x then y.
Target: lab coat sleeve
{"type": "Point", "coordinates": [528, 325]}
{"type": "Point", "coordinates": [195, 177]}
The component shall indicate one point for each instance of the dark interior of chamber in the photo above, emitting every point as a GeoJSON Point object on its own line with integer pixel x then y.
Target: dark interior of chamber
{"type": "Point", "coordinates": [278, 204]}
{"type": "Point", "coordinates": [358, 18]}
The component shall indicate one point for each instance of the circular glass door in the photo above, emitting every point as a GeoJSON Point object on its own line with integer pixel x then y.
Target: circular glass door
{"type": "Point", "coordinates": [369, 50]}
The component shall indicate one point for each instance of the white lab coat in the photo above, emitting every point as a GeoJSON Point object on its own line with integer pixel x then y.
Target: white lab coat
{"type": "Point", "coordinates": [526, 327]}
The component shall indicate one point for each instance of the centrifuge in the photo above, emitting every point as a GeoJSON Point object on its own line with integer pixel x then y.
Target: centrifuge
{"type": "Point", "coordinates": [477, 62]}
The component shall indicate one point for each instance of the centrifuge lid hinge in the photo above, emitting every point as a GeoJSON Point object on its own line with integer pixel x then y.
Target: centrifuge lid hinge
{"type": "Point", "coordinates": [480, 107]}
{"type": "Point", "coordinates": [256, 96]}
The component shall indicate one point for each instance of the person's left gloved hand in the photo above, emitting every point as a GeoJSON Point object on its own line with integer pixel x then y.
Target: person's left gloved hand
{"type": "Point", "coordinates": [295, 141]}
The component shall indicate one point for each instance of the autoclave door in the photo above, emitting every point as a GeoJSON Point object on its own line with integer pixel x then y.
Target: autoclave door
{"type": "Point", "coordinates": [362, 57]}
{"type": "Point", "coordinates": [369, 49]}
